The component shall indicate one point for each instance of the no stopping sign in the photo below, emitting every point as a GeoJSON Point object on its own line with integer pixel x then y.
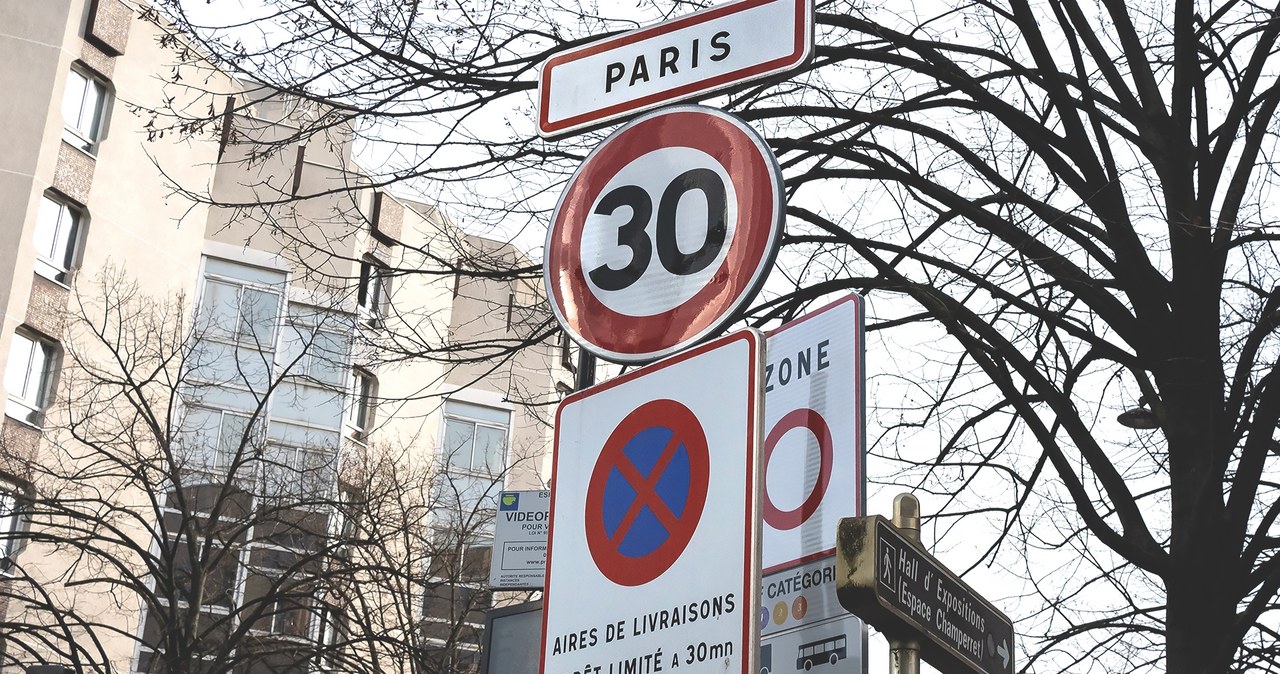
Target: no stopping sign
{"type": "Point", "coordinates": [641, 517]}
{"type": "Point", "coordinates": [663, 233]}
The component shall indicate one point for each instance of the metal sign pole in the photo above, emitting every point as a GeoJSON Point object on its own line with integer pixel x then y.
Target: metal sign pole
{"type": "Point", "coordinates": [586, 376]}
{"type": "Point", "coordinates": [904, 654]}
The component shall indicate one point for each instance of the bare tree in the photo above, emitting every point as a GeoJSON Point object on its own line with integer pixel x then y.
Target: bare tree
{"type": "Point", "coordinates": [154, 536]}
{"type": "Point", "coordinates": [1058, 210]}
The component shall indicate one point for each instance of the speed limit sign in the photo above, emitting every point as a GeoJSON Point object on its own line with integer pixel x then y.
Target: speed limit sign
{"type": "Point", "coordinates": [663, 233]}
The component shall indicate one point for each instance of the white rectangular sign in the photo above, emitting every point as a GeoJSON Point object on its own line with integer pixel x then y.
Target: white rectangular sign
{"type": "Point", "coordinates": [813, 476]}
{"type": "Point", "coordinates": [520, 531]}
{"type": "Point", "coordinates": [680, 59]}
{"type": "Point", "coordinates": [655, 521]}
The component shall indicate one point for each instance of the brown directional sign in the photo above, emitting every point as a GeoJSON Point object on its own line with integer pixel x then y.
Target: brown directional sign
{"type": "Point", "coordinates": [897, 586]}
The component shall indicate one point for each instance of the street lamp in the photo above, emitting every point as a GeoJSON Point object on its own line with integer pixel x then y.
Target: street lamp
{"type": "Point", "coordinates": [1140, 417]}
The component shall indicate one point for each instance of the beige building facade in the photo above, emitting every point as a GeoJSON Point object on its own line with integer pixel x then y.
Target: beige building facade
{"type": "Point", "coordinates": [206, 403]}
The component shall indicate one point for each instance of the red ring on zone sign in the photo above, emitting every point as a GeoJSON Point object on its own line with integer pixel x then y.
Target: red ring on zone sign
{"type": "Point", "coordinates": [813, 422]}
{"type": "Point", "coordinates": [757, 185]}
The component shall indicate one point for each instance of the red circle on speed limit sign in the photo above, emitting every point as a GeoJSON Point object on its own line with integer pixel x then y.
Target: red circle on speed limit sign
{"type": "Point", "coordinates": [666, 229]}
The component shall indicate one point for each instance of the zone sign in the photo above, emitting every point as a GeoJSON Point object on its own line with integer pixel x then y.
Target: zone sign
{"type": "Point", "coordinates": [677, 60]}
{"type": "Point", "coordinates": [666, 229]}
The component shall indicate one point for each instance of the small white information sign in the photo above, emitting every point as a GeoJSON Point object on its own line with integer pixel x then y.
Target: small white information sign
{"type": "Point", "coordinates": [520, 531]}
{"type": "Point", "coordinates": [654, 540]}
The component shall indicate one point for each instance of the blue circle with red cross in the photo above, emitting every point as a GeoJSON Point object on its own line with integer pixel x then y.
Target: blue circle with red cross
{"type": "Point", "coordinates": [647, 492]}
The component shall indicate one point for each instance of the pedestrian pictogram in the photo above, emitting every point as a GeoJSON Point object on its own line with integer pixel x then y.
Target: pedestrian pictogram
{"type": "Point", "coordinates": [647, 492]}
{"type": "Point", "coordinates": [887, 553]}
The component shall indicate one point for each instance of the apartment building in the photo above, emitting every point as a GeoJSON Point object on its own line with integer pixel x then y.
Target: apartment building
{"type": "Point", "coordinates": [223, 448]}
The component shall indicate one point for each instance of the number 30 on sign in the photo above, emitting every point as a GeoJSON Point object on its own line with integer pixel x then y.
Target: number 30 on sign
{"type": "Point", "coordinates": [665, 231]}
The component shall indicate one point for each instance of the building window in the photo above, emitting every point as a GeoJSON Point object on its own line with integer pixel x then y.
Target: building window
{"type": "Point", "coordinates": [452, 604]}
{"type": "Point", "coordinates": [234, 441]}
{"type": "Point", "coordinates": [290, 617]}
{"type": "Point", "coordinates": [372, 295]}
{"type": "Point", "coordinates": [218, 439]}
{"type": "Point", "coordinates": [332, 624]}
{"type": "Point", "coordinates": [475, 437]}
{"type": "Point", "coordinates": [455, 598]}
{"type": "Point", "coordinates": [204, 572]}
{"type": "Point", "coordinates": [316, 354]}
{"type": "Point", "coordinates": [287, 610]}
{"type": "Point", "coordinates": [10, 522]}
{"type": "Point", "coordinates": [241, 313]}
{"type": "Point", "coordinates": [281, 579]}
{"type": "Point", "coordinates": [58, 225]}
{"type": "Point", "coordinates": [300, 472]}
{"type": "Point", "coordinates": [376, 227]}
{"type": "Point", "coordinates": [203, 576]}
{"type": "Point", "coordinates": [239, 567]}
{"type": "Point", "coordinates": [28, 376]}
{"type": "Point", "coordinates": [84, 106]}
{"type": "Point", "coordinates": [363, 392]}
{"type": "Point", "coordinates": [460, 556]}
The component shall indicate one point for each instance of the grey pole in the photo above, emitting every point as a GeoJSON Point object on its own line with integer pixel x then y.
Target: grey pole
{"type": "Point", "coordinates": [904, 654]}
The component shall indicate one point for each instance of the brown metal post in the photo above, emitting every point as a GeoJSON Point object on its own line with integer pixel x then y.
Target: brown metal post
{"type": "Point", "coordinates": [904, 654]}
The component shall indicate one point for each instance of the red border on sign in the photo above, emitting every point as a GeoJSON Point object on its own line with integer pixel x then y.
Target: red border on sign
{"type": "Point", "coordinates": [802, 47]}
{"type": "Point", "coordinates": [812, 422]}
{"type": "Point", "coordinates": [751, 521]}
{"type": "Point", "coordinates": [634, 339]}
{"type": "Point", "coordinates": [688, 432]}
